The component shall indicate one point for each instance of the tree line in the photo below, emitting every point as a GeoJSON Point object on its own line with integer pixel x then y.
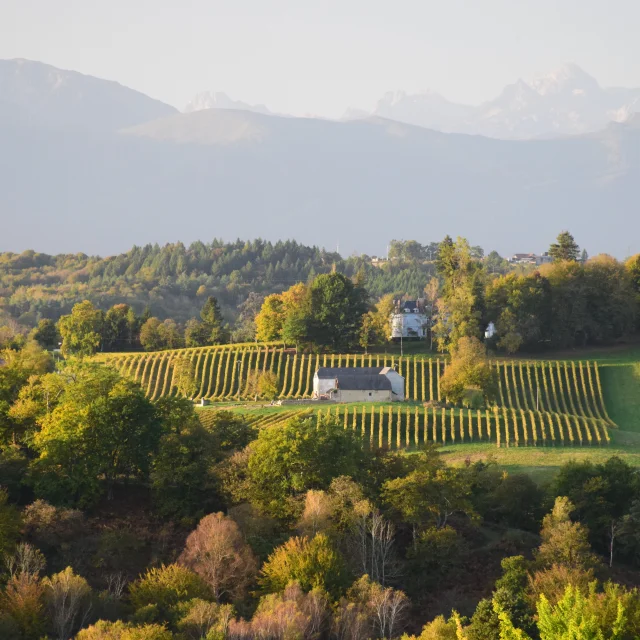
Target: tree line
{"type": "Point", "coordinates": [573, 301]}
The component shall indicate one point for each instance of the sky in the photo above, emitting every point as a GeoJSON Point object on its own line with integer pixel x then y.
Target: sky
{"type": "Point", "coordinates": [318, 58]}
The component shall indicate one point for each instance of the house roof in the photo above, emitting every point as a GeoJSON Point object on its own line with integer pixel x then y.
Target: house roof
{"type": "Point", "coordinates": [326, 373]}
{"type": "Point", "coordinates": [369, 382]}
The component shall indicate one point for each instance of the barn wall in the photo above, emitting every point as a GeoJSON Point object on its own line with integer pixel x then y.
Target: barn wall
{"type": "Point", "coordinates": [397, 384]}
{"type": "Point", "coordinates": [352, 395]}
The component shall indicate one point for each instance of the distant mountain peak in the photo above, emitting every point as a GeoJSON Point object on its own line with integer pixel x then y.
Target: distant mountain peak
{"type": "Point", "coordinates": [569, 76]}
{"type": "Point", "coordinates": [565, 101]}
{"type": "Point", "coordinates": [220, 100]}
{"type": "Point", "coordinates": [46, 96]}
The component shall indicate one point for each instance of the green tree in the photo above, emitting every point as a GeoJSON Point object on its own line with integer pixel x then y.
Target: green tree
{"type": "Point", "coordinates": [564, 542]}
{"type": "Point", "coordinates": [213, 321]}
{"type": "Point", "coordinates": [520, 307]}
{"type": "Point", "coordinates": [18, 372]}
{"type": "Point", "coordinates": [229, 432]}
{"type": "Point", "coordinates": [285, 462]}
{"type": "Point", "coordinates": [195, 334]}
{"type": "Point", "coordinates": [575, 617]}
{"type": "Point", "coordinates": [602, 494]}
{"type": "Point", "coordinates": [564, 248]}
{"type": "Point", "coordinates": [461, 306]}
{"type": "Point", "coordinates": [150, 337]}
{"type": "Point", "coordinates": [120, 329]}
{"type": "Point", "coordinates": [312, 563]}
{"type": "Point", "coordinates": [46, 334]}
{"type": "Point", "coordinates": [184, 376]}
{"type": "Point", "coordinates": [268, 385]}
{"type": "Point", "coordinates": [171, 336]}
{"type": "Point", "coordinates": [335, 312]}
{"type": "Point", "coordinates": [102, 428]}
{"type": "Point", "coordinates": [510, 597]}
{"type": "Point", "coordinates": [429, 496]}
{"type": "Point", "coordinates": [10, 523]}
{"type": "Point", "coordinates": [81, 331]}
{"type": "Point", "coordinates": [182, 481]}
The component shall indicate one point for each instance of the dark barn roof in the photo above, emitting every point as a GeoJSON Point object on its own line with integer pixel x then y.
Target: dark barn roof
{"type": "Point", "coordinates": [364, 383]}
{"type": "Point", "coordinates": [334, 372]}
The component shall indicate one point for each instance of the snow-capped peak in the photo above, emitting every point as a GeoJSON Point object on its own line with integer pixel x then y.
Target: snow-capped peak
{"type": "Point", "coordinates": [567, 77]}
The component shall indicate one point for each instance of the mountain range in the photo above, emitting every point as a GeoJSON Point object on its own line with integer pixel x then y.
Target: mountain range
{"type": "Point", "coordinates": [89, 165]}
{"type": "Point", "coordinates": [566, 101]}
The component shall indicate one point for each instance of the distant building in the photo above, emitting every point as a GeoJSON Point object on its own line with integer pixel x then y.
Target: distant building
{"type": "Point", "coordinates": [409, 321]}
{"type": "Point", "coordinates": [529, 258]}
{"type": "Point", "coordinates": [358, 384]}
{"type": "Point", "coordinates": [490, 331]}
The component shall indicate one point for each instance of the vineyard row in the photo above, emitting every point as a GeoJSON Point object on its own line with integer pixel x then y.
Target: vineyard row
{"type": "Point", "coordinates": [223, 374]}
{"type": "Point", "coordinates": [402, 427]}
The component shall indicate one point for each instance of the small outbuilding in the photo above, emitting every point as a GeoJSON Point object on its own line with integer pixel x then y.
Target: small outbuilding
{"type": "Point", "coordinates": [358, 384]}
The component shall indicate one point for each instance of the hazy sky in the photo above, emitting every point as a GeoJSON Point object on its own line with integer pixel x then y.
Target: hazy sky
{"type": "Point", "coordinates": [319, 57]}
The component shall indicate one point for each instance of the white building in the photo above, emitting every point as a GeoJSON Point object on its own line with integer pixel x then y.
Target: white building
{"type": "Point", "coordinates": [358, 384]}
{"type": "Point", "coordinates": [409, 322]}
{"type": "Point", "coordinates": [490, 331]}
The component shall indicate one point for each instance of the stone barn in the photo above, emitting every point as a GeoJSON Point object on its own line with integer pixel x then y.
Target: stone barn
{"type": "Point", "coordinates": [358, 384]}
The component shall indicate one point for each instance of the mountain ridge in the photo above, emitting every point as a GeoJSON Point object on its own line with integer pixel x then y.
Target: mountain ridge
{"type": "Point", "coordinates": [565, 101]}
{"type": "Point", "coordinates": [39, 94]}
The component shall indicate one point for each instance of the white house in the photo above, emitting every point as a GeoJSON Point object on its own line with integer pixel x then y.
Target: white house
{"type": "Point", "coordinates": [490, 331]}
{"type": "Point", "coordinates": [409, 322]}
{"type": "Point", "coordinates": [358, 384]}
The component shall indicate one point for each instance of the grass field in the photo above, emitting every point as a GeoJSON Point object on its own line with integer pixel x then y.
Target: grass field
{"type": "Point", "coordinates": [620, 374]}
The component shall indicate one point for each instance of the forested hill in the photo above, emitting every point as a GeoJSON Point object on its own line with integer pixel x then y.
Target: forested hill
{"type": "Point", "coordinates": [173, 280]}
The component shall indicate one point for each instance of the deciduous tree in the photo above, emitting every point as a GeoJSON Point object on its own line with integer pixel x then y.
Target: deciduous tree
{"type": "Point", "coordinates": [217, 552]}
{"type": "Point", "coordinates": [81, 331]}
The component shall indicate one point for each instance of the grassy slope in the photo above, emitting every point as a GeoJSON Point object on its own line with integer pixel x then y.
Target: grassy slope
{"type": "Point", "coordinates": [620, 376]}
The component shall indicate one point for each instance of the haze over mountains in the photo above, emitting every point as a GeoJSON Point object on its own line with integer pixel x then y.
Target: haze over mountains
{"type": "Point", "coordinates": [566, 101]}
{"type": "Point", "coordinates": [89, 165]}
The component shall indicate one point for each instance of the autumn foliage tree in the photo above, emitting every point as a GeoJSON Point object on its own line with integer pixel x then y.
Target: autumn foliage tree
{"type": "Point", "coordinates": [469, 370]}
{"type": "Point", "coordinates": [217, 552]}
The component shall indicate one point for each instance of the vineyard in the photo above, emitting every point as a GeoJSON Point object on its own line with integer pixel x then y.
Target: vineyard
{"type": "Point", "coordinates": [398, 426]}
{"type": "Point", "coordinates": [223, 373]}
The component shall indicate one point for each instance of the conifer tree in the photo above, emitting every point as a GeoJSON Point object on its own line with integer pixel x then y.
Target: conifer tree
{"type": "Point", "coordinates": [564, 248]}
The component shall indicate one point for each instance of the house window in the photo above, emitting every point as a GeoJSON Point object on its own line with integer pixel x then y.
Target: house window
{"type": "Point", "coordinates": [370, 393]}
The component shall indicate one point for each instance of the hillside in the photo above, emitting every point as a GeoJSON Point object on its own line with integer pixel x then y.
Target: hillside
{"type": "Point", "coordinates": [224, 173]}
